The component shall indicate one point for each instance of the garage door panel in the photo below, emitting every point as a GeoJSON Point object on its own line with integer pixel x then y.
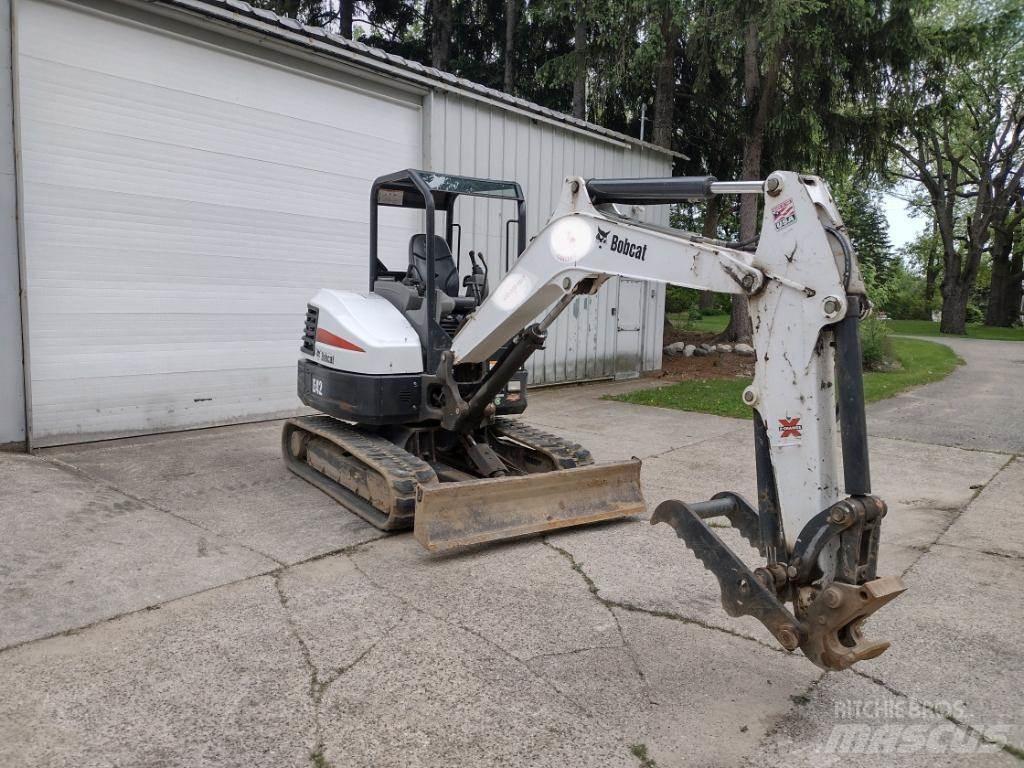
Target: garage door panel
{"type": "Point", "coordinates": [181, 204]}
{"type": "Point", "coordinates": [65, 217]}
{"type": "Point", "coordinates": [124, 165]}
{"type": "Point", "coordinates": [93, 43]}
{"type": "Point", "coordinates": [92, 99]}
{"type": "Point", "coordinates": [173, 401]}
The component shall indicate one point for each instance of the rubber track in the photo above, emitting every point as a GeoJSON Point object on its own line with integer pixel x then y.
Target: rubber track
{"type": "Point", "coordinates": [402, 471]}
{"type": "Point", "coordinates": [565, 453]}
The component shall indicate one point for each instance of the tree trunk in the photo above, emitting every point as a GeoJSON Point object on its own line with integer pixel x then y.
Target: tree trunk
{"type": "Point", "coordinates": [441, 34]}
{"type": "Point", "coordinates": [579, 81]}
{"type": "Point", "coordinates": [1015, 290]}
{"type": "Point", "coordinates": [954, 308]}
{"type": "Point", "coordinates": [345, 18]}
{"type": "Point", "coordinates": [665, 79]}
{"type": "Point", "coordinates": [712, 215]}
{"type": "Point", "coordinates": [511, 22]}
{"type": "Point", "coordinates": [931, 273]}
{"type": "Point", "coordinates": [758, 95]}
{"type": "Point", "coordinates": [995, 312]}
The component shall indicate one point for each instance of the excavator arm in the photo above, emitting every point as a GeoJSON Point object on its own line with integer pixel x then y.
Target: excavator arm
{"type": "Point", "coordinates": [816, 522]}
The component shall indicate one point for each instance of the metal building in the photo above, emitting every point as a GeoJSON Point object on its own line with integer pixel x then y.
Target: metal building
{"type": "Point", "coordinates": [182, 175]}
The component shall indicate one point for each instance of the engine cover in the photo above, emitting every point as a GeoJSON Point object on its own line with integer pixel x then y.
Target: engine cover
{"type": "Point", "coordinates": [361, 333]}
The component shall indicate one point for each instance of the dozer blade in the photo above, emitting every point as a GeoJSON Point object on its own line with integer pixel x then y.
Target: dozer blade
{"type": "Point", "coordinates": [451, 516]}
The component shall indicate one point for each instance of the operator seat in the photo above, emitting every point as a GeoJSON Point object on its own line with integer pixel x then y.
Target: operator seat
{"type": "Point", "coordinates": [446, 273]}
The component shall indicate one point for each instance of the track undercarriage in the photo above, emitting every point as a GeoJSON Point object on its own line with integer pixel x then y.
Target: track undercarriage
{"type": "Point", "coordinates": [430, 479]}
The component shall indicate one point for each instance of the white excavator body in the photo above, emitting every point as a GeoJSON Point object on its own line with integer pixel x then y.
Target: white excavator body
{"type": "Point", "coordinates": [432, 373]}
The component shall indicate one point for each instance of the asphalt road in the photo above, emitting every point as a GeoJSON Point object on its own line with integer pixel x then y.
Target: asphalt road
{"type": "Point", "coordinates": [183, 600]}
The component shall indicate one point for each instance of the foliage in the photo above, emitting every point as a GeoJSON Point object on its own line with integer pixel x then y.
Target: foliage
{"type": "Point", "coordinates": [875, 345]}
{"type": "Point", "coordinates": [901, 296]}
{"type": "Point", "coordinates": [922, 362]}
{"type": "Point", "coordinates": [861, 209]}
{"type": "Point", "coordinates": [865, 93]}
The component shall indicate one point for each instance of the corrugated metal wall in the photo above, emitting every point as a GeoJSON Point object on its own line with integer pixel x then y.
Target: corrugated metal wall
{"type": "Point", "coordinates": [470, 137]}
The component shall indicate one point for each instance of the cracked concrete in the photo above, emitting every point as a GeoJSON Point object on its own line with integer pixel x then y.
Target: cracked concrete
{"type": "Point", "coordinates": [183, 600]}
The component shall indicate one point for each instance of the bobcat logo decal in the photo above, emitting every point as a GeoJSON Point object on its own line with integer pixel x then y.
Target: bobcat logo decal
{"type": "Point", "coordinates": [602, 236]}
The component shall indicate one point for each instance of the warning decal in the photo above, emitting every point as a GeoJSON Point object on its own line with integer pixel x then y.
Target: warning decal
{"type": "Point", "coordinates": [790, 430]}
{"type": "Point", "coordinates": [784, 214]}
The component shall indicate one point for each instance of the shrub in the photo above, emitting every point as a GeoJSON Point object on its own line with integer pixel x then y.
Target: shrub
{"type": "Point", "coordinates": [875, 345]}
{"type": "Point", "coordinates": [676, 299]}
{"type": "Point", "coordinates": [974, 314]}
{"type": "Point", "coordinates": [901, 296]}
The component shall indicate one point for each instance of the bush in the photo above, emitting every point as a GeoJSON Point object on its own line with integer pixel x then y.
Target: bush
{"type": "Point", "coordinates": [676, 299]}
{"type": "Point", "coordinates": [901, 296]}
{"type": "Point", "coordinates": [974, 314]}
{"type": "Point", "coordinates": [875, 345]}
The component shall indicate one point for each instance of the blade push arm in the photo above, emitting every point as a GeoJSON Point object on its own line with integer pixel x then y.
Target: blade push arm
{"type": "Point", "coordinates": [817, 527]}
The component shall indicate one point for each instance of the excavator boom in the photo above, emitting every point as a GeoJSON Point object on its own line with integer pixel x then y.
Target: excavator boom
{"type": "Point", "coordinates": [816, 524]}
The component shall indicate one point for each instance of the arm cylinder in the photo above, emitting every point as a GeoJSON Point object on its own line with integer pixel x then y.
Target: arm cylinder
{"type": "Point", "coordinates": [852, 419]}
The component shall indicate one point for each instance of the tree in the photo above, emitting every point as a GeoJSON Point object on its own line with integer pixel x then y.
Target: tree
{"type": "Point", "coordinates": [511, 23]}
{"type": "Point", "coordinates": [669, 31]}
{"type": "Point", "coordinates": [346, 9]}
{"type": "Point", "coordinates": [808, 78]}
{"type": "Point", "coordinates": [441, 33]}
{"type": "Point", "coordinates": [579, 80]}
{"type": "Point", "coordinates": [1005, 288]}
{"type": "Point", "coordinates": [963, 141]}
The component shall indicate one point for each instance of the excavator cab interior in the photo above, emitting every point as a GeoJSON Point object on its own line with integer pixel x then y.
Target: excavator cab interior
{"type": "Point", "coordinates": [430, 292]}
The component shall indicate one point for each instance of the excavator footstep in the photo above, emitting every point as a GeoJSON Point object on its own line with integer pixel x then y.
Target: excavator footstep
{"type": "Point", "coordinates": [451, 516]}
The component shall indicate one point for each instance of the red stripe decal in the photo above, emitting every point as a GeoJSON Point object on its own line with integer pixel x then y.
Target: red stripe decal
{"type": "Point", "coordinates": [326, 337]}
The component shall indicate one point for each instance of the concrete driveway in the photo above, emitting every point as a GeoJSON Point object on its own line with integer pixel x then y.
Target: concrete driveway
{"type": "Point", "coordinates": [183, 600]}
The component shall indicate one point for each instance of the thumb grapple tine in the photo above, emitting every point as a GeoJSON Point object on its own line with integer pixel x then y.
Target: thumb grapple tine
{"type": "Point", "coordinates": [827, 627]}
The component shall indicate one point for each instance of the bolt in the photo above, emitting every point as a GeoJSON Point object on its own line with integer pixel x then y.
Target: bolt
{"type": "Point", "coordinates": [832, 597]}
{"type": "Point", "coordinates": [566, 283]}
{"type": "Point", "coordinates": [749, 396]}
{"type": "Point", "coordinates": [744, 586]}
{"type": "Point", "coordinates": [839, 516]}
{"type": "Point", "coordinates": [747, 281]}
{"type": "Point", "coordinates": [773, 186]}
{"type": "Point", "coordinates": [575, 187]}
{"type": "Point", "coordinates": [788, 638]}
{"type": "Point", "coordinates": [792, 572]}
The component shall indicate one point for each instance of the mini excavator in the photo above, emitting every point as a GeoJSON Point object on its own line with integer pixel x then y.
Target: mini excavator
{"type": "Point", "coordinates": [419, 379]}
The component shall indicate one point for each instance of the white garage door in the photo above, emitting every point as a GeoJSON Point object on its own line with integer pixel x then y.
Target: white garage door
{"type": "Point", "coordinates": [181, 204]}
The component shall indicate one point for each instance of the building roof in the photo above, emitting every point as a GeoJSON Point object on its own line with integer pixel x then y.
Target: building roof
{"type": "Point", "coordinates": [242, 14]}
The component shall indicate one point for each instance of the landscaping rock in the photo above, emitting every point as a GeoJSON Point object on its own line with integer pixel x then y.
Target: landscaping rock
{"type": "Point", "coordinates": [725, 347]}
{"type": "Point", "coordinates": [688, 352]}
{"type": "Point", "coordinates": [743, 349]}
{"type": "Point", "coordinates": [700, 351]}
{"type": "Point", "coordinates": [677, 348]}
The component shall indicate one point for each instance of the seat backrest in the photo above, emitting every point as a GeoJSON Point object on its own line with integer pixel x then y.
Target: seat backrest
{"type": "Point", "coordinates": [446, 273]}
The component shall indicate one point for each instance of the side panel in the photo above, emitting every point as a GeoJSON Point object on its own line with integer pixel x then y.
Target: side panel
{"type": "Point", "coordinates": [474, 139]}
{"type": "Point", "coordinates": [12, 371]}
{"type": "Point", "coordinates": [184, 199]}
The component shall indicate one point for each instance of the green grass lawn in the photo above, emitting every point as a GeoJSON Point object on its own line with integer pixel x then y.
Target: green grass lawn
{"type": "Point", "coordinates": [717, 323]}
{"type": "Point", "coordinates": [928, 328]}
{"type": "Point", "coordinates": [923, 362]}
{"type": "Point", "coordinates": [707, 324]}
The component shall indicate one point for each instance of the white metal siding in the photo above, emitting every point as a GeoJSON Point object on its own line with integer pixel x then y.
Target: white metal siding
{"type": "Point", "coordinates": [181, 204]}
{"type": "Point", "coordinates": [12, 385]}
{"type": "Point", "coordinates": [475, 139]}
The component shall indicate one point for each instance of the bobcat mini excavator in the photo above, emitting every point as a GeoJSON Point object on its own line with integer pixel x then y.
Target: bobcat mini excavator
{"type": "Point", "coordinates": [418, 381]}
